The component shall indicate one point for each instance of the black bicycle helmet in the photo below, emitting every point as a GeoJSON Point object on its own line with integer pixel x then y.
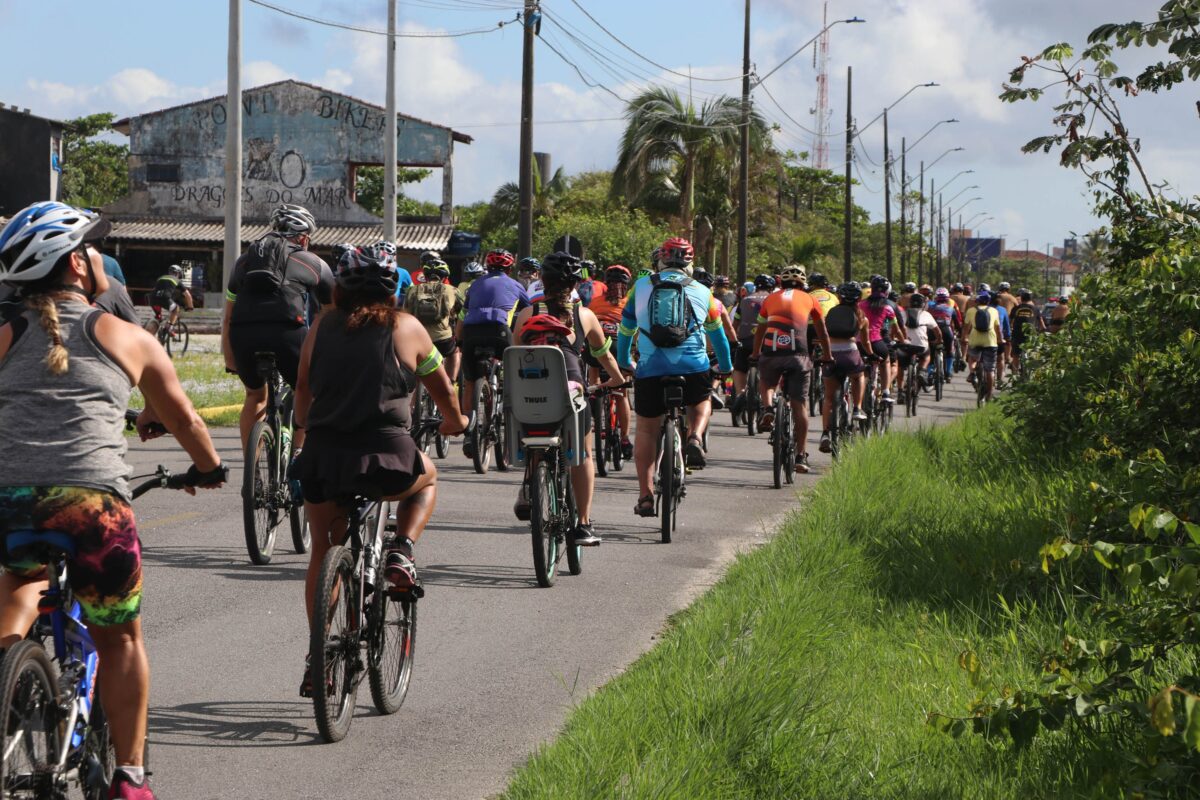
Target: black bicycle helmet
{"type": "Point", "coordinates": [817, 281]}
{"type": "Point", "coordinates": [529, 266]}
{"type": "Point", "coordinates": [958, 288]}
{"type": "Point", "coordinates": [910, 287]}
{"type": "Point", "coordinates": [764, 282]}
{"type": "Point", "coordinates": [879, 284]}
{"type": "Point", "coordinates": [1025, 295]}
{"type": "Point", "coordinates": [702, 277]}
{"type": "Point", "coordinates": [339, 250]}
{"type": "Point", "coordinates": [367, 269]}
{"type": "Point", "coordinates": [562, 266]}
{"type": "Point", "coordinates": [849, 293]}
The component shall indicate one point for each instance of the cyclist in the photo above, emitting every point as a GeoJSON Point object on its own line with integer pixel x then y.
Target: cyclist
{"type": "Point", "coordinates": [945, 313]}
{"type": "Point", "coordinates": [745, 317]}
{"type": "Point", "coordinates": [1025, 321]}
{"type": "Point", "coordinates": [883, 325]}
{"type": "Point", "coordinates": [170, 293]}
{"type": "Point", "coordinates": [782, 329]}
{"type": "Point", "coordinates": [708, 282]}
{"type": "Point", "coordinates": [981, 332]}
{"type": "Point", "coordinates": [486, 326]}
{"type": "Point", "coordinates": [1059, 314]}
{"type": "Point", "coordinates": [67, 371]}
{"type": "Point", "coordinates": [435, 304]}
{"type": "Point", "coordinates": [906, 291]}
{"type": "Point", "coordinates": [567, 324]}
{"type": "Point", "coordinates": [589, 287]}
{"type": "Point", "coordinates": [359, 365]}
{"type": "Point", "coordinates": [919, 326]}
{"type": "Point", "coordinates": [674, 315]}
{"type": "Point", "coordinates": [818, 288]}
{"type": "Point", "coordinates": [961, 297]}
{"type": "Point", "coordinates": [926, 290]}
{"type": "Point", "coordinates": [405, 277]}
{"type": "Point", "coordinates": [1006, 335]}
{"type": "Point", "coordinates": [1004, 297]}
{"type": "Point", "coordinates": [849, 337]}
{"type": "Point", "coordinates": [724, 293]}
{"type": "Point", "coordinates": [471, 271]}
{"type": "Point", "coordinates": [529, 272]}
{"type": "Point", "coordinates": [266, 307]}
{"type": "Point", "coordinates": [608, 308]}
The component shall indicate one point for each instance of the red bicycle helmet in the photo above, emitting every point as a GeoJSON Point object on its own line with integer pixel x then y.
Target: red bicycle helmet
{"type": "Point", "coordinates": [544, 329]}
{"type": "Point", "coordinates": [499, 260]}
{"type": "Point", "coordinates": [617, 274]}
{"type": "Point", "coordinates": [676, 253]}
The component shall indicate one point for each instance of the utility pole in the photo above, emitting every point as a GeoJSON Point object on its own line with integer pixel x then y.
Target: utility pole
{"type": "Point", "coordinates": [744, 176]}
{"type": "Point", "coordinates": [921, 227]}
{"type": "Point", "coordinates": [389, 150]}
{"type": "Point", "coordinates": [903, 212]}
{"type": "Point", "coordinates": [525, 180]}
{"type": "Point", "coordinates": [887, 198]}
{"type": "Point", "coordinates": [941, 245]}
{"type": "Point", "coordinates": [233, 146]}
{"type": "Point", "coordinates": [847, 239]}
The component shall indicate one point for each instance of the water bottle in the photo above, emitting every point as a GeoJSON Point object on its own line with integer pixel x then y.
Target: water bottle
{"type": "Point", "coordinates": [371, 565]}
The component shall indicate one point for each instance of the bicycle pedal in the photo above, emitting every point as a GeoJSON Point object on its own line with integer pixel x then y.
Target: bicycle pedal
{"type": "Point", "coordinates": [414, 593]}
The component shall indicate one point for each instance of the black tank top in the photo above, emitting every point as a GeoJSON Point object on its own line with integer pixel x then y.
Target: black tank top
{"type": "Point", "coordinates": [573, 352]}
{"type": "Point", "coordinates": [357, 382]}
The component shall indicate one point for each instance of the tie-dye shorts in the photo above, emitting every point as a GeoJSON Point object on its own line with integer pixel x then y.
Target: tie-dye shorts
{"type": "Point", "coordinates": [106, 571]}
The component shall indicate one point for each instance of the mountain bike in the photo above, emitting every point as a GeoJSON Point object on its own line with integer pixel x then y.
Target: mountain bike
{"type": "Point", "coordinates": [939, 373]}
{"type": "Point", "coordinates": [489, 405]}
{"type": "Point", "coordinates": [606, 431]}
{"type": "Point", "coordinates": [426, 421]}
{"type": "Point", "coordinates": [910, 381]}
{"type": "Point", "coordinates": [842, 421]}
{"type": "Point", "coordinates": [359, 625]}
{"type": "Point", "coordinates": [669, 489]}
{"type": "Point", "coordinates": [782, 440]}
{"type": "Point", "coordinates": [53, 729]}
{"type": "Point", "coordinates": [172, 336]}
{"type": "Point", "coordinates": [752, 403]}
{"type": "Point", "coordinates": [816, 387]}
{"type": "Point", "coordinates": [267, 494]}
{"type": "Point", "coordinates": [553, 513]}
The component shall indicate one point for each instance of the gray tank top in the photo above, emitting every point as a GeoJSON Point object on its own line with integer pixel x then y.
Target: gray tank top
{"type": "Point", "coordinates": [63, 430]}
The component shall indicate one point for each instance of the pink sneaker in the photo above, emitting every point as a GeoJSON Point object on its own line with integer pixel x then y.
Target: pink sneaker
{"type": "Point", "coordinates": [123, 788]}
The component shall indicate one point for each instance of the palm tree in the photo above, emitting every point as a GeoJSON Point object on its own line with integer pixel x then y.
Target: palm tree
{"type": "Point", "coordinates": [666, 139]}
{"type": "Point", "coordinates": [506, 202]}
{"type": "Point", "coordinates": [1092, 255]}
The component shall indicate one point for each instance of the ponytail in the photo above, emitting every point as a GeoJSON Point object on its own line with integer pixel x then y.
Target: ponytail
{"type": "Point", "coordinates": [56, 356]}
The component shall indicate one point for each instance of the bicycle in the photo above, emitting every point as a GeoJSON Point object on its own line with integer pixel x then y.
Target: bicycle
{"type": "Point", "coordinates": [606, 444]}
{"type": "Point", "coordinates": [816, 387]}
{"type": "Point", "coordinates": [489, 434]}
{"type": "Point", "coordinates": [752, 403]}
{"type": "Point", "coordinates": [266, 490]}
{"type": "Point", "coordinates": [939, 374]}
{"type": "Point", "coordinates": [879, 413]}
{"type": "Point", "coordinates": [842, 422]}
{"type": "Point", "coordinates": [426, 422]}
{"type": "Point", "coordinates": [53, 730]}
{"type": "Point", "coordinates": [669, 474]}
{"type": "Point", "coordinates": [354, 612]}
{"type": "Point", "coordinates": [783, 441]}
{"type": "Point", "coordinates": [173, 336]}
{"type": "Point", "coordinates": [910, 382]}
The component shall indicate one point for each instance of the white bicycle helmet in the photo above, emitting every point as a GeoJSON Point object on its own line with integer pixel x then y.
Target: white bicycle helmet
{"type": "Point", "coordinates": [473, 270]}
{"type": "Point", "coordinates": [388, 248]}
{"type": "Point", "coordinates": [176, 271]}
{"type": "Point", "coordinates": [38, 236]}
{"type": "Point", "coordinates": [794, 273]}
{"type": "Point", "coordinates": [293, 220]}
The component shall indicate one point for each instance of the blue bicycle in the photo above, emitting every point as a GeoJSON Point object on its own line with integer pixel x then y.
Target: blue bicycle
{"type": "Point", "coordinates": [53, 731]}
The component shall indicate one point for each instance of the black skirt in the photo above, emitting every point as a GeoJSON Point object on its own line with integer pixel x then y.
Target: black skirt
{"type": "Point", "coordinates": [341, 466]}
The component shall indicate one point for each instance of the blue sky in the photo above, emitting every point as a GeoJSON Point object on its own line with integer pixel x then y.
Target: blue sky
{"type": "Point", "coordinates": [132, 56]}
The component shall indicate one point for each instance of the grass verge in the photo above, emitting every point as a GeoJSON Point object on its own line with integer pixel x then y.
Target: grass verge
{"type": "Point", "coordinates": [811, 668]}
{"type": "Point", "coordinates": [202, 373]}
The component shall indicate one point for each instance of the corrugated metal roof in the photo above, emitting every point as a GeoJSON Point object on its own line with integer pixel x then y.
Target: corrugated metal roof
{"type": "Point", "coordinates": [408, 237]}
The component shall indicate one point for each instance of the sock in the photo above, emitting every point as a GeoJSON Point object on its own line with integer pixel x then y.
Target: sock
{"type": "Point", "coordinates": [135, 774]}
{"type": "Point", "coordinates": [404, 546]}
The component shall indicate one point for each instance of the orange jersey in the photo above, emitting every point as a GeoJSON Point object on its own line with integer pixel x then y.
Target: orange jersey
{"type": "Point", "coordinates": [786, 314]}
{"type": "Point", "coordinates": [608, 313]}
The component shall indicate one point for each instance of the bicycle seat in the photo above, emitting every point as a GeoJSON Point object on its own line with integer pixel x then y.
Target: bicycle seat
{"type": "Point", "coordinates": [42, 547]}
{"type": "Point", "coordinates": [674, 380]}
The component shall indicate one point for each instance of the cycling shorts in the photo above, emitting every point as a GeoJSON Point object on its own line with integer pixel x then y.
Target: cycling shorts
{"type": "Point", "coordinates": [845, 363]}
{"type": "Point", "coordinates": [741, 354]}
{"type": "Point", "coordinates": [987, 355]}
{"type": "Point", "coordinates": [105, 572]}
{"type": "Point", "coordinates": [773, 366]}
{"type": "Point", "coordinates": [481, 342]}
{"type": "Point", "coordinates": [907, 351]}
{"type": "Point", "coordinates": [446, 347]}
{"type": "Point", "coordinates": [648, 400]}
{"type": "Point", "coordinates": [881, 348]}
{"type": "Point", "coordinates": [284, 339]}
{"type": "Point", "coordinates": [169, 307]}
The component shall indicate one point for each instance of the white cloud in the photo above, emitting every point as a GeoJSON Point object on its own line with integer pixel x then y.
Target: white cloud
{"type": "Point", "coordinates": [256, 73]}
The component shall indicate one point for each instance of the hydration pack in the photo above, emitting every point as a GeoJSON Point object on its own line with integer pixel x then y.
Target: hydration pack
{"type": "Point", "coordinates": [669, 312]}
{"type": "Point", "coordinates": [428, 307]}
{"type": "Point", "coordinates": [983, 319]}
{"type": "Point", "coordinates": [912, 318]}
{"type": "Point", "coordinates": [266, 264]}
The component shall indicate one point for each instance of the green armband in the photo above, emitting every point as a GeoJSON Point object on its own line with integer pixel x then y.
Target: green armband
{"type": "Point", "coordinates": [602, 349]}
{"type": "Point", "coordinates": [430, 364]}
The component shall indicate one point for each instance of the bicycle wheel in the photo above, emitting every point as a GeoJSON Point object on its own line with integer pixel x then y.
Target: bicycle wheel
{"type": "Point", "coordinates": [915, 389]}
{"type": "Point", "coordinates": [543, 517]}
{"type": "Point", "coordinates": [939, 377]}
{"type": "Point", "coordinates": [615, 454]}
{"type": "Point", "coordinates": [980, 393]}
{"type": "Point", "coordinates": [481, 455]}
{"type": "Point", "coordinates": [179, 339]}
{"type": "Point", "coordinates": [815, 395]}
{"type": "Point", "coordinates": [29, 720]}
{"type": "Point", "coordinates": [333, 644]}
{"type": "Point", "coordinates": [668, 470]}
{"type": "Point", "coordinates": [570, 518]}
{"type": "Point", "coordinates": [420, 437]}
{"type": "Point", "coordinates": [500, 435]}
{"type": "Point", "coordinates": [260, 479]}
{"type": "Point", "coordinates": [789, 445]}
{"type": "Point", "coordinates": [391, 646]}
{"type": "Point", "coordinates": [778, 439]}
{"type": "Point", "coordinates": [301, 534]}
{"type": "Point", "coordinates": [599, 435]}
{"type": "Point", "coordinates": [441, 445]}
{"type": "Point", "coordinates": [97, 750]}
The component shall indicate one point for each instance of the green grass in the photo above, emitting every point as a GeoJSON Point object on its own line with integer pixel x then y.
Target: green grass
{"type": "Point", "coordinates": [202, 373]}
{"type": "Point", "coordinates": [810, 670]}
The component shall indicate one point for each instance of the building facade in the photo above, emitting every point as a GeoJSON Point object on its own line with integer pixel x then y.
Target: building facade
{"type": "Point", "coordinates": [30, 159]}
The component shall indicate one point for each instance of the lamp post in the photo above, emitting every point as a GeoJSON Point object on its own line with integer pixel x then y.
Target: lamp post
{"type": "Point", "coordinates": [960, 191]}
{"type": "Point", "coordinates": [943, 155]}
{"type": "Point", "coordinates": [950, 233]}
{"type": "Point", "coordinates": [946, 185]}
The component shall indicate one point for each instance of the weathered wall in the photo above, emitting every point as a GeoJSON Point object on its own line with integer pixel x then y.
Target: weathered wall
{"type": "Point", "coordinates": [25, 143]}
{"type": "Point", "coordinates": [301, 144]}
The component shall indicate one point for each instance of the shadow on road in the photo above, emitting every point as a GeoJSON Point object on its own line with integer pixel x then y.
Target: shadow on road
{"type": "Point", "coordinates": [233, 724]}
{"type": "Point", "coordinates": [234, 565]}
{"type": "Point", "coordinates": [480, 576]}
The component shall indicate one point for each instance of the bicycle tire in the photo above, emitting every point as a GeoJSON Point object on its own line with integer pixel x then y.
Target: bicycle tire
{"type": "Point", "coordinates": [441, 445]}
{"type": "Point", "coordinates": [481, 455]}
{"type": "Point", "coordinates": [570, 520]}
{"type": "Point", "coordinates": [499, 433]}
{"type": "Point", "coordinates": [259, 479]}
{"type": "Point", "coordinates": [915, 390]}
{"type": "Point", "coordinates": [543, 515]}
{"type": "Point", "coordinates": [616, 453]}
{"type": "Point", "coordinates": [939, 378]}
{"type": "Point", "coordinates": [666, 482]}
{"type": "Point", "coordinates": [420, 437]}
{"type": "Point", "coordinates": [333, 648]}
{"type": "Point", "coordinates": [815, 394]}
{"type": "Point", "coordinates": [753, 402]}
{"type": "Point", "coordinates": [789, 446]}
{"type": "Point", "coordinates": [596, 406]}
{"type": "Point", "coordinates": [179, 335]}
{"type": "Point", "coordinates": [391, 647]}
{"type": "Point", "coordinates": [29, 702]}
{"type": "Point", "coordinates": [777, 440]}
{"type": "Point", "coordinates": [98, 742]}
{"type": "Point", "coordinates": [301, 532]}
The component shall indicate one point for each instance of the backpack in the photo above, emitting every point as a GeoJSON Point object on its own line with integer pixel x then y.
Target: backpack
{"type": "Point", "coordinates": [669, 312]}
{"type": "Point", "coordinates": [842, 322]}
{"type": "Point", "coordinates": [586, 290]}
{"type": "Point", "coordinates": [428, 306]}
{"type": "Point", "coordinates": [983, 319]}
{"type": "Point", "coordinates": [912, 318]}
{"type": "Point", "coordinates": [266, 264]}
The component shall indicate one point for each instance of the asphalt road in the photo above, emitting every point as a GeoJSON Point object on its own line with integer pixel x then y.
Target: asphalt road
{"type": "Point", "coordinates": [500, 661]}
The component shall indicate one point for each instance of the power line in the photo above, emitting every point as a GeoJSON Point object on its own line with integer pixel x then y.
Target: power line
{"type": "Point", "coordinates": [376, 32]}
{"type": "Point", "coordinates": [458, 125]}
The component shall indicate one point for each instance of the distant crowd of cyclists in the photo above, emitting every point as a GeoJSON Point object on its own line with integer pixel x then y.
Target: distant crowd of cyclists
{"type": "Point", "coordinates": [356, 339]}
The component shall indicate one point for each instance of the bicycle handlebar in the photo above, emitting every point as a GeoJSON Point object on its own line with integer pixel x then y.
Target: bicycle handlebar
{"type": "Point", "coordinates": [131, 418]}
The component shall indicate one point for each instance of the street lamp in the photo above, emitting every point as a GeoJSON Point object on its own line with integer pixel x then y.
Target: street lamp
{"type": "Point", "coordinates": [960, 191]}
{"type": "Point", "coordinates": [978, 214]}
{"type": "Point", "coordinates": [926, 133]}
{"type": "Point", "coordinates": [943, 155]}
{"type": "Point", "coordinates": [893, 105]}
{"type": "Point", "coordinates": [946, 185]}
{"type": "Point", "coordinates": [804, 46]}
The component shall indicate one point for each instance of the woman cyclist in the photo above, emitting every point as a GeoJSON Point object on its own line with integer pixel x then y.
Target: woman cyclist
{"type": "Point", "coordinates": [67, 370]}
{"type": "Point", "coordinates": [359, 364]}
{"type": "Point", "coordinates": [849, 337]}
{"type": "Point", "coordinates": [882, 320]}
{"type": "Point", "coordinates": [542, 321]}
{"type": "Point", "coordinates": [607, 308]}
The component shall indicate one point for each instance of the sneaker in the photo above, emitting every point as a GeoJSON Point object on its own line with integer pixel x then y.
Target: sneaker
{"type": "Point", "coordinates": [694, 454]}
{"type": "Point", "coordinates": [767, 421]}
{"type": "Point", "coordinates": [802, 463]}
{"type": "Point", "coordinates": [585, 535]}
{"type": "Point", "coordinates": [718, 401]}
{"type": "Point", "coordinates": [523, 508]}
{"type": "Point", "coordinates": [826, 445]}
{"type": "Point", "coordinates": [626, 449]}
{"type": "Point", "coordinates": [123, 788]}
{"type": "Point", "coordinates": [971, 379]}
{"type": "Point", "coordinates": [859, 415]}
{"type": "Point", "coordinates": [887, 398]}
{"type": "Point", "coordinates": [400, 571]}
{"type": "Point", "coordinates": [469, 447]}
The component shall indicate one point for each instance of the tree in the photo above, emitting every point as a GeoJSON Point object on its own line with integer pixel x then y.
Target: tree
{"type": "Point", "coordinates": [95, 172]}
{"type": "Point", "coordinates": [506, 202]}
{"type": "Point", "coordinates": [368, 191]}
{"type": "Point", "coordinates": [1093, 253]}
